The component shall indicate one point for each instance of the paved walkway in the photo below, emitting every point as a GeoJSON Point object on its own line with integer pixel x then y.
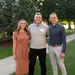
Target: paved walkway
{"type": "Point", "coordinates": [70, 37]}
{"type": "Point", "coordinates": [7, 65]}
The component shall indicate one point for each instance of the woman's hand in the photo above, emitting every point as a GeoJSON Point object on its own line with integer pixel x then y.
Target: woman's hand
{"type": "Point", "coordinates": [14, 56]}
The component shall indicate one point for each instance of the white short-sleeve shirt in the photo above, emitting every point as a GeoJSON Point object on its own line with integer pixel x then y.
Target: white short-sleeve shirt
{"type": "Point", "coordinates": [38, 35]}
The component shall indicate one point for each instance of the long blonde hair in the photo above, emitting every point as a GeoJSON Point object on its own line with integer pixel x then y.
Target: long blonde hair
{"type": "Point", "coordinates": [19, 23]}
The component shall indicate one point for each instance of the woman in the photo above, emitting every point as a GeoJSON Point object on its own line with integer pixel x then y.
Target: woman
{"type": "Point", "coordinates": [20, 47]}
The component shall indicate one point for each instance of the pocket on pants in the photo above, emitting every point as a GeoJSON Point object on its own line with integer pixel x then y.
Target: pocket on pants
{"type": "Point", "coordinates": [49, 49]}
{"type": "Point", "coordinates": [58, 51]}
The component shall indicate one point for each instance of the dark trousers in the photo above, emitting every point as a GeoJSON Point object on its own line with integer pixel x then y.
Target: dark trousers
{"type": "Point", "coordinates": [41, 53]}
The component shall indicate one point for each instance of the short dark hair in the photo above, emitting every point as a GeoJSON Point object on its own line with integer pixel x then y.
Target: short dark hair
{"type": "Point", "coordinates": [53, 14]}
{"type": "Point", "coordinates": [38, 13]}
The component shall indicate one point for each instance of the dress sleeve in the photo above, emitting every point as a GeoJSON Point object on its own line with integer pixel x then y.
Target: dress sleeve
{"type": "Point", "coordinates": [14, 36]}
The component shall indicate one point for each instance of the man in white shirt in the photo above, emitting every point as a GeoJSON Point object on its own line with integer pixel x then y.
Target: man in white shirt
{"type": "Point", "coordinates": [37, 32]}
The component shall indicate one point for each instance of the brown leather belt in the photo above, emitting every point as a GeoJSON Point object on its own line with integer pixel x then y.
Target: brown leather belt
{"type": "Point", "coordinates": [54, 45]}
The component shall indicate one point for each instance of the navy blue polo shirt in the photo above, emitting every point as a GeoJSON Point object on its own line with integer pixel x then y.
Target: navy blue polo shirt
{"type": "Point", "coordinates": [57, 36]}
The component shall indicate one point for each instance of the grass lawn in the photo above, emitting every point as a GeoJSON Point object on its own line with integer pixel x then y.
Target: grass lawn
{"type": "Point", "coordinates": [5, 52]}
{"type": "Point", "coordinates": [69, 61]}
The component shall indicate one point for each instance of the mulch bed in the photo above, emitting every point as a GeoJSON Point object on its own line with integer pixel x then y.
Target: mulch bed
{"type": "Point", "coordinates": [6, 44]}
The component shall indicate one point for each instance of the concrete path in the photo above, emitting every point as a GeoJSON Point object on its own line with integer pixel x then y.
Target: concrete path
{"type": "Point", "coordinates": [7, 65]}
{"type": "Point", "coordinates": [70, 37]}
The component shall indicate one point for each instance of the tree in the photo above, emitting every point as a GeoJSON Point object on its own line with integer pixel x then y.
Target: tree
{"type": "Point", "coordinates": [13, 10]}
{"type": "Point", "coordinates": [25, 9]}
{"type": "Point", "coordinates": [65, 9]}
{"type": "Point", "coordinates": [48, 6]}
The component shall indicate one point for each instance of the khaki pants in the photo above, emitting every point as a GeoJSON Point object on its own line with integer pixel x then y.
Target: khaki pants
{"type": "Point", "coordinates": [54, 54]}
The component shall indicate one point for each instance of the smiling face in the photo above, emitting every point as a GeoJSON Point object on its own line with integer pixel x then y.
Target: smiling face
{"type": "Point", "coordinates": [53, 18]}
{"type": "Point", "coordinates": [38, 18]}
{"type": "Point", "coordinates": [23, 24]}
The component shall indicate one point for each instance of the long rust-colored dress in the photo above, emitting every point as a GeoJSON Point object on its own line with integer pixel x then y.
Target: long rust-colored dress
{"type": "Point", "coordinates": [22, 61]}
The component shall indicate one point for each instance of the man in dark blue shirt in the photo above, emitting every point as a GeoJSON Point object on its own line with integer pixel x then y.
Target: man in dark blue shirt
{"type": "Point", "coordinates": [57, 44]}
{"type": "Point", "coordinates": [57, 36]}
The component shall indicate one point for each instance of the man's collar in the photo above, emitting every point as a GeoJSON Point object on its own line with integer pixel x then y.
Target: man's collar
{"type": "Point", "coordinates": [39, 24]}
{"type": "Point", "coordinates": [55, 25]}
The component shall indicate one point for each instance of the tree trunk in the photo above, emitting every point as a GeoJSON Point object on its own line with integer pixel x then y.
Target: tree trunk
{"type": "Point", "coordinates": [74, 24]}
{"type": "Point", "coordinates": [69, 25]}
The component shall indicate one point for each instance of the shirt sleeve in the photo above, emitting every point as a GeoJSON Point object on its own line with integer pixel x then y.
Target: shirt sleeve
{"type": "Point", "coordinates": [47, 31]}
{"type": "Point", "coordinates": [63, 36]}
{"type": "Point", "coordinates": [29, 28]}
{"type": "Point", "coordinates": [29, 32]}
